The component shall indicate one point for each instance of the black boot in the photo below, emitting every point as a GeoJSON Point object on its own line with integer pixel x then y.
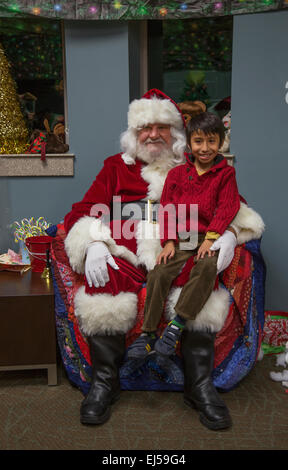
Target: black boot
{"type": "Point", "coordinates": [107, 353]}
{"type": "Point", "coordinates": [197, 348]}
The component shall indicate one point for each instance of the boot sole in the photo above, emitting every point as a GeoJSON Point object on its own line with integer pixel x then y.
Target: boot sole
{"type": "Point", "coordinates": [212, 425]}
{"type": "Point", "coordinates": [99, 419]}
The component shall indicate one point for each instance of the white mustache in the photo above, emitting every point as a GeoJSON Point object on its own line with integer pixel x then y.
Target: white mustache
{"type": "Point", "coordinates": [154, 141]}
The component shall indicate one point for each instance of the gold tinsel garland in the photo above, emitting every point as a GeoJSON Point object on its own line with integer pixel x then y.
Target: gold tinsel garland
{"type": "Point", "coordinates": [13, 131]}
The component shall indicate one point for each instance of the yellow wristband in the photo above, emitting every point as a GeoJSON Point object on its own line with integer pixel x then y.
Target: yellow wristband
{"type": "Point", "coordinates": [212, 236]}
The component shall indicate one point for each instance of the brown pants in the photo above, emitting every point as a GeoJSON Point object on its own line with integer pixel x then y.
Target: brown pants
{"type": "Point", "coordinates": [194, 293]}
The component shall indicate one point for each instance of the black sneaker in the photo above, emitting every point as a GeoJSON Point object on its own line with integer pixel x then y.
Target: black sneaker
{"type": "Point", "coordinates": [167, 343]}
{"type": "Point", "coordinates": [142, 346]}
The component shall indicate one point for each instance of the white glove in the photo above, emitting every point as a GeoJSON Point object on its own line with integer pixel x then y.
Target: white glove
{"type": "Point", "coordinates": [226, 243]}
{"type": "Point", "coordinates": [97, 257]}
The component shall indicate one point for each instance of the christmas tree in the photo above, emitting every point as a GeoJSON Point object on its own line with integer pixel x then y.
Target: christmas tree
{"type": "Point", "coordinates": [195, 88]}
{"type": "Point", "coordinates": [13, 130]}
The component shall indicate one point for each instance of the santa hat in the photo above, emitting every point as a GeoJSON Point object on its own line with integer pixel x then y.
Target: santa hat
{"type": "Point", "coordinates": [155, 107]}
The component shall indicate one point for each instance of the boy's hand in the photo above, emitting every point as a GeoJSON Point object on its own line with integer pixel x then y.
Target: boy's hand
{"type": "Point", "coordinates": [205, 249]}
{"type": "Point", "coordinates": [167, 253]}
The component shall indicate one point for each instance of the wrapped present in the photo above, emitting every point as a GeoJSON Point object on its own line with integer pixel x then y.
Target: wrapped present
{"type": "Point", "coordinates": [38, 143]}
{"type": "Point", "coordinates": [12, 261]}
{"type": "Point", "coordinates": [275, 332]}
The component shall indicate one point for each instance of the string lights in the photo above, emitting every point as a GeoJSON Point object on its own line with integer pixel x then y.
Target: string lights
{"type": "Point", "coordinates": [163, 11]}
{"type": "Point", "coordinates": [36, 11]}
{"type": "Point", "coordinates": [93, 9]}
{"type": "Point", "coordinates": [218, 6]}
{"type": "Point", "coordinates": [133, 9]}
{"type": "Point", "coordinates": [183, 7]}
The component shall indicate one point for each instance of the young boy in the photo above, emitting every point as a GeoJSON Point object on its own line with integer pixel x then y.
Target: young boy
{"type": "Point", "coordinates": [208, 181]}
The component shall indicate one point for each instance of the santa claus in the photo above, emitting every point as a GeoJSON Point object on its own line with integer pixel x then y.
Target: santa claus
{"type": "Point", "coordinates": [116, 250]}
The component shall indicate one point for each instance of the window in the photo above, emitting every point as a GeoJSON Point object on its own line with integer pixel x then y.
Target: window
{"type": "Point", "coordinates": [33, 52]}
{"type": "Point", "coordinates": [32, 94]}
{"type": "Point", "coordinates": [192, 60]}
{"type": "Point", "coordinates": [197, 60]}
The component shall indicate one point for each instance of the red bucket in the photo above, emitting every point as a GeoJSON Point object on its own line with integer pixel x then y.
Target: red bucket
{"type": "Point", "coordinates": [37, 247]}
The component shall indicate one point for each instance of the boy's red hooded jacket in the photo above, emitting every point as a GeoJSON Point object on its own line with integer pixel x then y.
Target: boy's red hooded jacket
{"type": "Point", "coordinates": [215, 193]}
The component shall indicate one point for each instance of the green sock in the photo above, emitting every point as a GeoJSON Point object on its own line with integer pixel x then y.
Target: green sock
{"type": "Point", "coordinates": [179, 321]}
{"type": "Point", "coordinates": [149, 333]}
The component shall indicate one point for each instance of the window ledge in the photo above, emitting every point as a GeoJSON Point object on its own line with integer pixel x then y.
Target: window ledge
{"type": "Point", "coordinates": [55, 164]}
{"type": "Point", "coordinates": [29, 164]}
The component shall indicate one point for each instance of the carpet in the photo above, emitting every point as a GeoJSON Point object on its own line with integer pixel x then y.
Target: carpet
{"type": "Point", "coordinates": [35, 416]}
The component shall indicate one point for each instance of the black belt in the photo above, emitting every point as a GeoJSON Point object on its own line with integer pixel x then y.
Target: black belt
{"type": "Point", "coordinates": [142, 210]}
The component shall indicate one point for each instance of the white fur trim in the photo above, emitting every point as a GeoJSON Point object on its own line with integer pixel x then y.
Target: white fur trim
{"type": "Point", "coordinates": [77, 241]}
{"type": "Point", "coordinates": [249, 224]}
{"type": "Point", "coordinates": [148, 243]}
{"type": "Point", "coordinates": [104, 313]}
{"type": "Point", "coordinates": [85, 231]}
{"type": "Point", "coordinates": [101, 232]}
{"type": "Point", "coordinates": [148, 234]}
{"type": "Point", "coordinates": [155, 176]}
{"type": "Point", "coordinates": [212, 316]}
{"type": "Point", "coordinates": [128, 159]}
{"type": "Point", "coordinates": [124, 253]}
{"type": "Point", "coordinates": [150, 111]}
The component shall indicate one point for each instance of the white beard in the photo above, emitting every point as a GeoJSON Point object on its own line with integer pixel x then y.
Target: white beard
{"type": "Point", "coordinates": [162, 160]}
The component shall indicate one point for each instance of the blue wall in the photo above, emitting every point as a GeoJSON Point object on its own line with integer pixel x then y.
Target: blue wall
{"type": "Point", "coordinates": [259, 135]}
{"type": "Point", "coordinates": [98, 97]}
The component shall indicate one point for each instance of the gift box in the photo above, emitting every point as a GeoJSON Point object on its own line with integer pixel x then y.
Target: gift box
{"type": "Point", "coordinates": [275, 331]}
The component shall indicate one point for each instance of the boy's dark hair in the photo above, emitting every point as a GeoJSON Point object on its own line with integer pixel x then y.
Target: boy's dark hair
{"type": "Point", "coordinates": [207, 122]}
